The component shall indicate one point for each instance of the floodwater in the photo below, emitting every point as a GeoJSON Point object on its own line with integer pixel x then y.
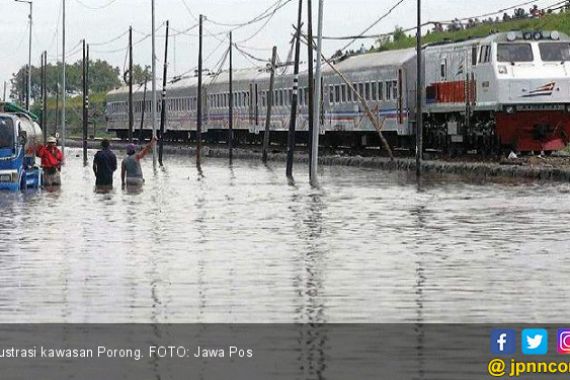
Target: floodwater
{"type": "Point", "coordinates": [240, 244]}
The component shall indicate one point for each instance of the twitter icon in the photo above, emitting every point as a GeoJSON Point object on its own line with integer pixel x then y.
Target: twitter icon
{"type": "Point", "coordinates": [534, 342]}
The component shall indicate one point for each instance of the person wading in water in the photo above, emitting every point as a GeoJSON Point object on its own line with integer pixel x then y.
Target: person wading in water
{"type": "Point", "coordinates": [52, 158]}
{"type": "Point", "coordinates": [104, 165]}
{"type": "Point", "coordinates": [131, 171]}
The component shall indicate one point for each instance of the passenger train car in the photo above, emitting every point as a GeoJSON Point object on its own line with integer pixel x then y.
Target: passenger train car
{"type": "Point", "coordinates": [506, 90]}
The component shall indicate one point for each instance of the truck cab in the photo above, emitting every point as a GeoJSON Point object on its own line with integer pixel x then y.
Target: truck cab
{"type": "Point", "coordinates": [19, 136]}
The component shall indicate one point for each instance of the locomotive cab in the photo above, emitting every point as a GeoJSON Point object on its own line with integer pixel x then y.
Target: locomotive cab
{"type": "Point", "coordinates": [532, 71]}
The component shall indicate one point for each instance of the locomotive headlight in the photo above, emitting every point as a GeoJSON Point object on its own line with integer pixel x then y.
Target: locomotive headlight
{"type": "Point", "coordinates": [510, 110]}
{"type": "Point", "coordinates": [555, 35]}
{"type": "Point", "coordinates": [503, 69]}
{"type": "Point", "coordinates": [537, 36]}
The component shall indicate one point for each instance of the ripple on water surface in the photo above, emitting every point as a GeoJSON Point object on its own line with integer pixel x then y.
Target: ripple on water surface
{"type": "Point", "coordinates": [241, 245]}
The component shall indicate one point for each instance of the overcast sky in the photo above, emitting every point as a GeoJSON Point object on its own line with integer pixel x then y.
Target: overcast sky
{"type": "Point", "coordinates": [342, 17]}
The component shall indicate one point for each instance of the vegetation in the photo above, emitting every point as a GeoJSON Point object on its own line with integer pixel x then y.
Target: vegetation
{"type": "Point", "coordinates": [102, 78]}
{"type": "Point", "coordinates": [558, 21]}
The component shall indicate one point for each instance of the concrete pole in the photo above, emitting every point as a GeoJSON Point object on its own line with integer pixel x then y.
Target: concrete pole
{"type": "Point", "coordinates": [419, 91]}
{"type": "Point", "coordinates": [318, 99]}
{"type": "Point", "coordinates": [153, 106]}
{"type": "Point", "coordinates": [63, 88]}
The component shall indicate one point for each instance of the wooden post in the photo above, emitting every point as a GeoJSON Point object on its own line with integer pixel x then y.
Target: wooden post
{"type": "Point", "coordinates": [269, 101]}
{"type": "Point", "coordinates": [84, 104]}
{"type": "Point", "coordinates": [231, 105]}
{"type": "Point", "coordinates": [293, 120]}
{"type": "Point", "coordinates": [199, 98]}
{"type": "Point", "coordinates": [310, 84]}
{"type": "Point", "coordinates": [131, 111]}
{"type": "Point", "coordinates": [163, 107]}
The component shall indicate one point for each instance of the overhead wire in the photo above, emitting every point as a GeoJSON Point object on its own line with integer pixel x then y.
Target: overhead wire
{"type": "Point", "coordinates": [382, 17]}
{"type": "Point", "coordinates": [111, 2]}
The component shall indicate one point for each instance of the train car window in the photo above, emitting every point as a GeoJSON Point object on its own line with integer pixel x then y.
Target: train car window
{"type": "Point", "coordinates": [361, 89]}
{"type": "Point", "coordinates": [290, 96]}
{"type": "Point", "coordinates": [443, 67]}
{"type": "Point", "coordinates": [374, 91]}
{"type": "Point", "coordinates": [348, 94]}
{"type": "Point", "coordinates": [343, 93]}
{"type": "Point", "coordinates": [555, 52]}
{"type": "Point", "coordinates": [388, 90]}
{"type": "Point", "coordinates": [337, 93]}
{"type": "Point", "coordinates": [474, 56]}
{"type": "Point", "coordinates": [519, 52]}
{"type": "Point", "coordinates": [481, 50]}
{"type": "Point", "coordinates": [487, 55]}
{"type": "Point", "coordinates": [380, 90]}
{"type": "Point", "coordinates": [367, 91]}
{"type": "Point", "coordinates": [395, 89]}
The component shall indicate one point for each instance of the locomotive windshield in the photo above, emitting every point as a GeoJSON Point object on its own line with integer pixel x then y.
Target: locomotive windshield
{"type": "Point", "coordinates": [6, 133]}
{"type": "Point", "coordinates": [514, 53]}
{"type": "Point", "coordinates": [555, 52]}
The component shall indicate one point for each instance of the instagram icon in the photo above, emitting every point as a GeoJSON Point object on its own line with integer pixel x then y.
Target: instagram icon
{"type": "Point", "coordinates": [564, 341]}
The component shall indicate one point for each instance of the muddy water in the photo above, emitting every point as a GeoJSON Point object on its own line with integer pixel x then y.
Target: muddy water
{"type": "Point", "coordinates": [240, 244]}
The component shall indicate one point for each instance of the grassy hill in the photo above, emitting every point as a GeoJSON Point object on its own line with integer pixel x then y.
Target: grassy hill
{"type": "Point", "coordinates": [557, 21]}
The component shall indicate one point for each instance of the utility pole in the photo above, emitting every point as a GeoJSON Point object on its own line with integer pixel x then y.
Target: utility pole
{"type": "Point", "coordinates": [311, 84]}
{"type": "Point", "coordinates": [293, 120]}
{"type": "Point", "coordinates": [269, 105]}
{"type": "Point", "coordinates": [84, 104]}
{"type": "Point", "coordinates": [163, 108]}
{"type": "Point", "coordinates": [131, 112]}
{"type": "Point", "coordinates": [29, 87]}
{"type": "Point", "coordinates": [4, 98]}
{"type": "Point", "coordinates": [63, 89]}
{"type": "Point", "coordinates": [87, 99]}
{"type": "Point", "coordinates": [141, 133]}
{"type": "Point", "coordinates": [199, 98]}
{"type": "Point", "coordinates": [231, 115]}
{"type": "Point", "coordinates": [153, 107]}
{"type": "Point", "coordinates": [318, 99]}
{"type": "Point", "coordinates": [419, 91]}
{"type": "Point", "coordinates": [43, 97]}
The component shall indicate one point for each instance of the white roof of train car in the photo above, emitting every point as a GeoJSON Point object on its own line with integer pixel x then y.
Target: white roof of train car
{"type": "Point", "coordinates": [359, 62]}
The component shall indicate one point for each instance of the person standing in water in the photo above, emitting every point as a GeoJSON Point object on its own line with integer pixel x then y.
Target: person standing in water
{"type": "Point", "coordinates": [131, 171]}
{"type": "Point", "coordinates": [104, 165]}
{"type": "Point", "coordinates": [52, 158]}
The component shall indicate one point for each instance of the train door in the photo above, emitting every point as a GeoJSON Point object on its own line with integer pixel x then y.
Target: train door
{"type": "Point", "coordinates": [256, 102]}
{"type": "Point", "coordinates": [250, 108]}
{"type": "Point", "coordinates": [400, 101]}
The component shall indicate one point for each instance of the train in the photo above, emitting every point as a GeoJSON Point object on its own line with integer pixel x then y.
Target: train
{"type": "Point", "coordinates": [507, 91]}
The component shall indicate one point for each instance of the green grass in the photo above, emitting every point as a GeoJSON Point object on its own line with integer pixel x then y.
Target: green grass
{"type": "Point", "coordinates": [557, 21]}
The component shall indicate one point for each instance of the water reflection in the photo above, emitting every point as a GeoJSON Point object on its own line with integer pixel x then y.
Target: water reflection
{"type": "Point", "coordinates": [245, 245]}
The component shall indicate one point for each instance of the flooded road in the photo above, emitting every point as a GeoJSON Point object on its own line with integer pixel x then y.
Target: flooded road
{"type": "Point", "coordinates": [241, 245]}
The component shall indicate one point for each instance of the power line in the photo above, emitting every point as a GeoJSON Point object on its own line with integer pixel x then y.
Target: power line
{"type": "Point", "coordinates": [111, 2]}
{"type": "Point", "coordinates": [375, 22]}
{"type": "Point", "coordinates": [363, 36]}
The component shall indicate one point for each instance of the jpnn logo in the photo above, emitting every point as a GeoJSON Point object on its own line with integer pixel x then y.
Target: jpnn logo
{"type": "Point", "coordinates": [503, 342]}
{"type": "Point", "coordinates": [534, 342]}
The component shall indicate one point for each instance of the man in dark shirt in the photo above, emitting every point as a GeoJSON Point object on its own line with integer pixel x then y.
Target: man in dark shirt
{"type": "Point", "coordinates": [104, 165]}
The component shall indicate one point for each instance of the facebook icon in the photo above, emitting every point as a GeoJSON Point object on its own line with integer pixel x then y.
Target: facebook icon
{"type": "Point", "coordinates": [503, 342]}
